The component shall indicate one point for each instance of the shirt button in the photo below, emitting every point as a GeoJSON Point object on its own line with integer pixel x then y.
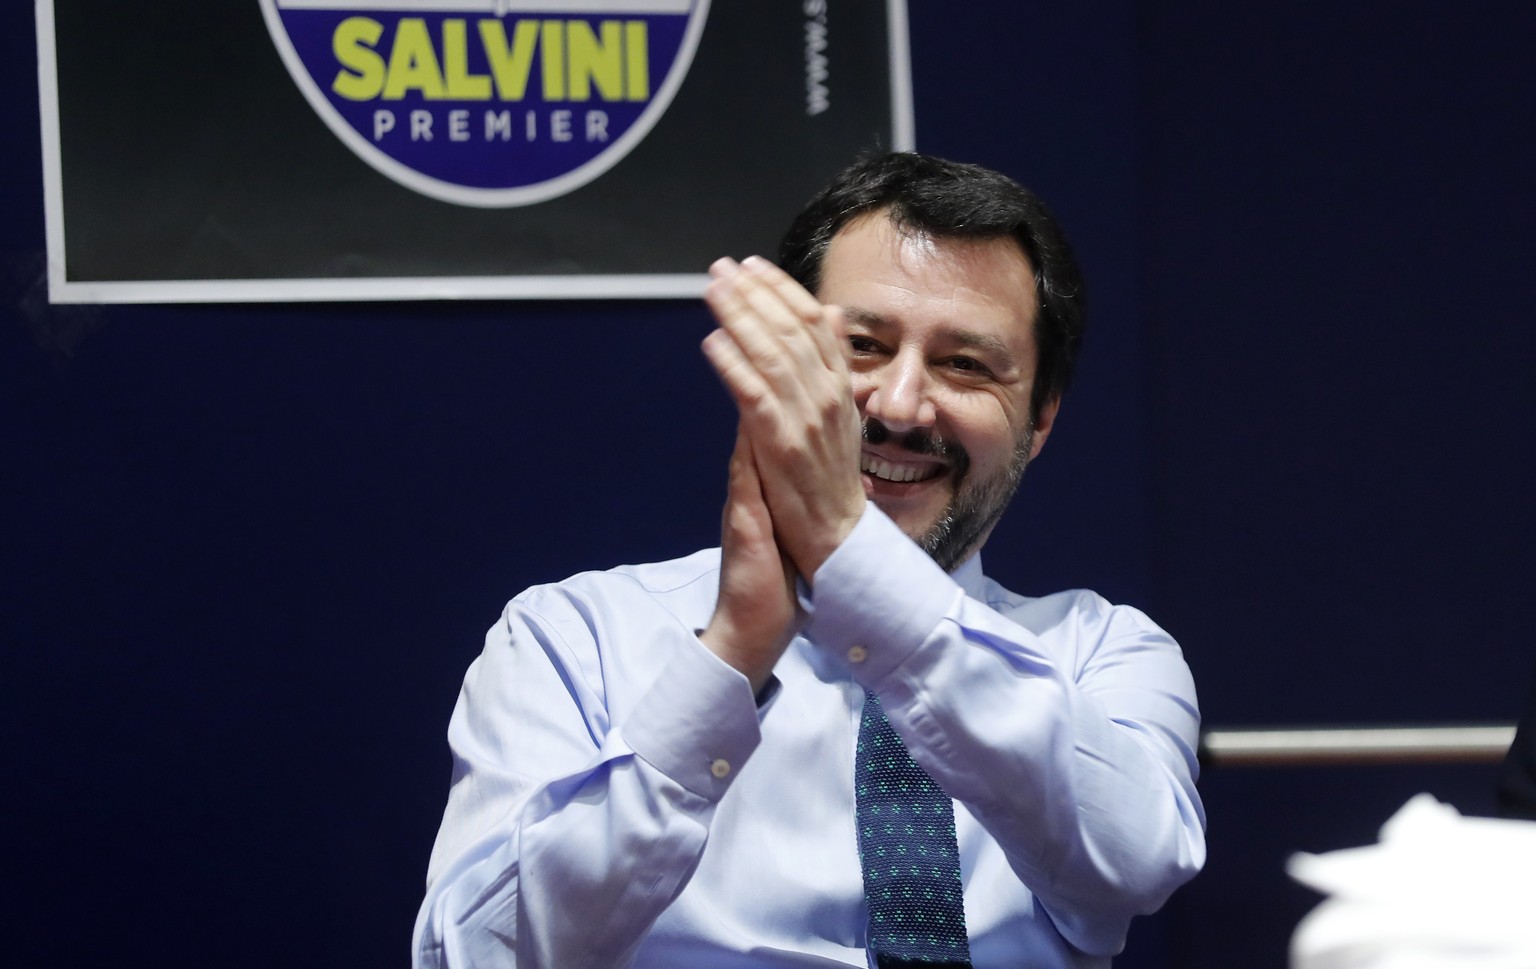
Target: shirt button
{"type": "Point", "coordinates": [857, 654]}
{"type": "Point", "coordinates": [720, 768]}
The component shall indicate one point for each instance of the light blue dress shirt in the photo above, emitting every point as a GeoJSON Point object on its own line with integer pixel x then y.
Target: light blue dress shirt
{"type": "Point", "coordinates": [619, 798]}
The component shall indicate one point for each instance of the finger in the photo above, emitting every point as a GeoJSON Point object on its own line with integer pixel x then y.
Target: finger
{"type": "Point", "coordinates": [751, 478]}
{"type": "Point", "coordinates": [741, 379]}
{"type": "Point", "coordinates": [781, 282]}
{"type": "Point", "coordinates": [746, 513]}
{"type": "Point", "coordinates": [812, 372]}
{"type": "Point", "coordinates": [733, 473]}
{"type": "Point", "coordinates": [743, 461]}
{"type": "Point", "coordinates": [740, 451]}
{"type": "Point", "coordinates": [826, 332]}
{"type": "Point", "coordinates": [742, 475]}
{"type": "Point", "coordinates": [753, 336]}
{"type": "Point", "coordinates": [786, 309]}
{"type": "Point", "coordinates": [780, 299]}
{"type": "Point", "coordinates": [773, 341]}
{"type": "Point", "coordinates": [749, 487]}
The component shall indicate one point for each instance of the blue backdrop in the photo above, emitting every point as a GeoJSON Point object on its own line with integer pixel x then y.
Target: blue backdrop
{"type": "Point", "coordinates": [248, 551]}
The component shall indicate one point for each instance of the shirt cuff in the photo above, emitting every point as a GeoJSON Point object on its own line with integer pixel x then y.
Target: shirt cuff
{"type": "Point", "coordinates": [698, 723]}
{"type": "Point", "coordinates": [876, 598]}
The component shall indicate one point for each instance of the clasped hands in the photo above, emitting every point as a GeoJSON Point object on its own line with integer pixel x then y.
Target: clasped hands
{"type": "Point", "coordinates": [794, 491]}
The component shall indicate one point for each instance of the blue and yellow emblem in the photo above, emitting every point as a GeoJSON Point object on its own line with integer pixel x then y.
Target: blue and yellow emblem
{"type": "Point", "coordinates": [488, 102]}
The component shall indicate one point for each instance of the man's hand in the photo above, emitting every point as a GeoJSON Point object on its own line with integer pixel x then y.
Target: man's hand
{"type": "Point", "coordinates": [755, 615]}
{"type": "Point", "coordinates": [780, 354]}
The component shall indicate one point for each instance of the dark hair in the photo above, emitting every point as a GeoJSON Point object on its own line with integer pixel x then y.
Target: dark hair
{"type": "Point", "coordinates": [939, 198]}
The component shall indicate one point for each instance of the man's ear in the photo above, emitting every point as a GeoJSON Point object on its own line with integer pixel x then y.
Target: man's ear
{"type": "Point", "coordinates": [1044, 421]}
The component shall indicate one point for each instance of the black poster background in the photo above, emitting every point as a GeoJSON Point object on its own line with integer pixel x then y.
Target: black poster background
{"type": "Point", "coordinates": [188, 154]}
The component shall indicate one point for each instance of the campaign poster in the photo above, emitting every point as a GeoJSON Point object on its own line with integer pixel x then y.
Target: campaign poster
{"type": "Point", "coordinates": [409, 149]}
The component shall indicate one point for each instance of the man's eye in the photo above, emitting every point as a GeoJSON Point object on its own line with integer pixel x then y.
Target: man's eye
{"type": "Point", "coordinates": [860, 344]}
{"type": "Point", "coordinates": [967, 364]}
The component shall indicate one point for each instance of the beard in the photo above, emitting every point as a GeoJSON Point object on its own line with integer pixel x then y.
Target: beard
{"type": "Point", "coordinates": [974, 506]}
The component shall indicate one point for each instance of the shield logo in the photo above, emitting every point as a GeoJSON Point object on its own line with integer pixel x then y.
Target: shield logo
{"type": "Point", "coordinates": [489, 103]}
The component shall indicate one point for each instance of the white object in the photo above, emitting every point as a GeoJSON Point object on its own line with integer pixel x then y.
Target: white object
{"type": "Point", "coordinates": [1439, 891]}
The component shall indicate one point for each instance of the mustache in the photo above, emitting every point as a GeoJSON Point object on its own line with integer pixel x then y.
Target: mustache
{"type": "Point", "coordinates": [919, 440]}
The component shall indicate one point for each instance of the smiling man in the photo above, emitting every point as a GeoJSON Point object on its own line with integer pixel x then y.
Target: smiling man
{"type": "Point", "coordinates": [834, 741]}
{"type": "Point", "coordinates": [969, 305]}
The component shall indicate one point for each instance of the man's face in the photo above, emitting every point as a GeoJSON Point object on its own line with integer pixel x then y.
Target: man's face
{"type": "Point", "coordinates": [942, 352]}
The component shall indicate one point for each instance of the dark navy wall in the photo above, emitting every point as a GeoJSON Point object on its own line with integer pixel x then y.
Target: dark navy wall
{"type": "Point", "coordinates": [1338, 234]}
{"type": "Point", "coordinates": [248, 551]}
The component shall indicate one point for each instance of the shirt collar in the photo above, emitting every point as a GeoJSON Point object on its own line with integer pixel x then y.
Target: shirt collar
{"type": "Point", "coordinates": [969, 577]}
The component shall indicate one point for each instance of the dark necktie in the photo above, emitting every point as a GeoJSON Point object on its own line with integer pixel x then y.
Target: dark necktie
{"type": "Point", "coordinates": [910, 858]}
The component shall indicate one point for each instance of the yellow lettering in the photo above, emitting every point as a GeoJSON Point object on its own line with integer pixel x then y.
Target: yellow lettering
{"type": "Point", "coordinates": [510, 68]}
{"type": "Point", "coordinates": [413, 64]}
{"type": "Point", "coordinates": [353, 45]}
{"type": "Point", "coordinates": [552, 49]}
{"type": "Point", "coordinates": [578, 60]}
{"type": "Point", "coordinates": [637, 62]}
{"type": "Point", "coordinates": [462, 85]}
{"type": "Point", "coordinates": [594, 61]}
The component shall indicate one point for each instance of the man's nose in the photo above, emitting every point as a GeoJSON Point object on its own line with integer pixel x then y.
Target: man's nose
{"type": "Point", "coordinates": [900, 395]}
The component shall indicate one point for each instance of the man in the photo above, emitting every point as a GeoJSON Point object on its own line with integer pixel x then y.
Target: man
{"type": "Point", "coordinates": [682, 764]}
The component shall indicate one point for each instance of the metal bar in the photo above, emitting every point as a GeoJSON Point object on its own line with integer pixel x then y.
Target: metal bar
{"type": "Point", "coordinates": [1474, 743]}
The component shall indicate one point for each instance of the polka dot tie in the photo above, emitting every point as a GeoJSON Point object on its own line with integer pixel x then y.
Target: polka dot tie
{"type": "Point", "coordinates": [910, 859]}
